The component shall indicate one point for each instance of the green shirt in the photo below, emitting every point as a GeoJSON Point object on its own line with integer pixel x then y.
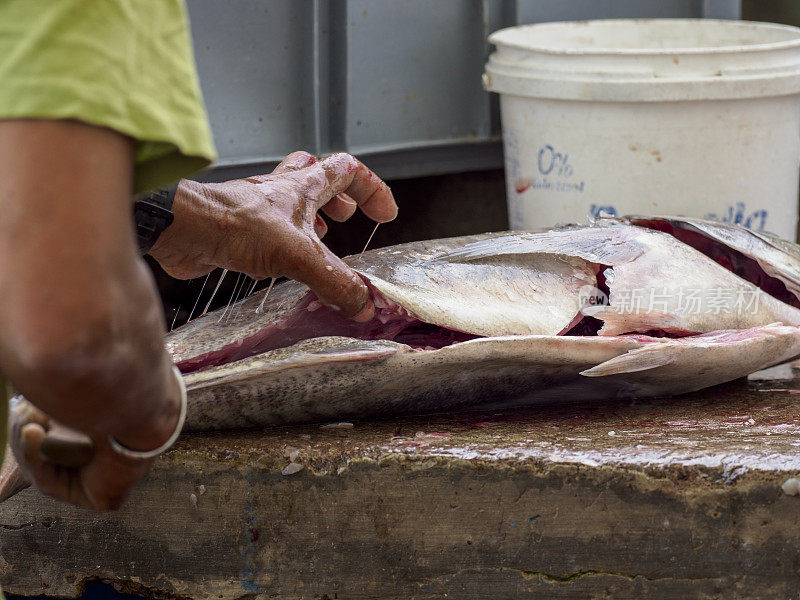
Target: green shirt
{"type": "Point", "coordinates": [122, 64]}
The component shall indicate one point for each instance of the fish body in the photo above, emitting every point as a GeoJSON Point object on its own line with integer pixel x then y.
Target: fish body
{"type": "Point", "coordinates": [487, 319]}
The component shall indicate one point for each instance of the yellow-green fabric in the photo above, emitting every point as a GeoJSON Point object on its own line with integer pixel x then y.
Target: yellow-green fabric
{"type": "Point", "coordinates": [122, 64]}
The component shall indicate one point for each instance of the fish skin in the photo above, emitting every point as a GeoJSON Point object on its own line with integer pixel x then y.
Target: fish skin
{"type": "Point", "coordinates": [338, 378]}
{"type": "Point", "coordinates": [534, 294]}
{"type": "Point", "coordinates": [605, 243]}
{"type": "Point", "coordinates": [12, 479]}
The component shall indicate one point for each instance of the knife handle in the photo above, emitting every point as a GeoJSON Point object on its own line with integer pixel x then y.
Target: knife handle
{"type": "Point", "coordinates": [67, 447]}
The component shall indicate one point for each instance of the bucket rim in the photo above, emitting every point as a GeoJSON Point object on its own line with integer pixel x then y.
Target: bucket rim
{"type": "Point", "coordinates": [575, 51]}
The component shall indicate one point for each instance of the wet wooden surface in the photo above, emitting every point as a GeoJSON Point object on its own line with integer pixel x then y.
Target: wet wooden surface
{"type": "Point", "coordinates": [674, 498]}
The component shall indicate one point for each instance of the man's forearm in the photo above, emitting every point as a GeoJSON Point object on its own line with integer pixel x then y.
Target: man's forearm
{"type": "Point", "coordinates": [106, 372]}
{"type": "Point", "coordinates": [81, 333]}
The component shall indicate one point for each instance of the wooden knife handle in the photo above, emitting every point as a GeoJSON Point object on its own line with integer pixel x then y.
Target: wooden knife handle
{"type": "Point", "coordinates": [67, 447]}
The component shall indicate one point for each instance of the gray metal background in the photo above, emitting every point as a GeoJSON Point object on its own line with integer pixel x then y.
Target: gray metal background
{"type": "Point", "coordinates": [396, 82]}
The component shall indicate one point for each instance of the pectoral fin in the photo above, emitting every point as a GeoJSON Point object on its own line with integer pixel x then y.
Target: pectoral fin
{"type": "Point", "coordinates": [634, 361]}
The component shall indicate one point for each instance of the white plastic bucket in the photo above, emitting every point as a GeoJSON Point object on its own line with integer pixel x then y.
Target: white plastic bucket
{"type": "Point", "coordinates": [660, 116]}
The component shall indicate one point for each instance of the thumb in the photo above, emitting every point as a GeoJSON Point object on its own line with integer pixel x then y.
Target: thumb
{"type": "Point", "coordinates": [335, 284]}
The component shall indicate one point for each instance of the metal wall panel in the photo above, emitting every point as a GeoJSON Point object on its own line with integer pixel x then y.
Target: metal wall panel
{"type": "Point", "coordinates": [395, 81]}
{"type": "Point", "coordinates": [411, 73]}
{"type": "Point", "coordinates": [255, 63]}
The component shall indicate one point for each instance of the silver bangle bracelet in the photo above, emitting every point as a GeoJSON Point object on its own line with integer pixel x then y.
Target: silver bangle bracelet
{"type": "Point", "coordinates": [148, 454]}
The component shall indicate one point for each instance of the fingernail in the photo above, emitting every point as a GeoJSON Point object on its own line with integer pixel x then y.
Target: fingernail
{"type": "Point", "coordinates": [366, 314]}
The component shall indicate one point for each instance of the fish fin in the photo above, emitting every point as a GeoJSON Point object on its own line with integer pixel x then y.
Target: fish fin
{"type": "Point", "coordinates": [12, 479]}
{"type": "Point", "coordinates": [641, 359]}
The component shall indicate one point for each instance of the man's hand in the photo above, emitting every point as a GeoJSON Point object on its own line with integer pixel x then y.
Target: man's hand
{"type": "Point", "coordinates": [74, 467]}
{"type": "Point", "coordinates": [269, 226]}
{"type": "Point", "coordinates": [103, 483]}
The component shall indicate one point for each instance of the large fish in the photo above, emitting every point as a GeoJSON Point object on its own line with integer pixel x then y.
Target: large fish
{"type": "Point", "coordinates": [503, 318]}
{"type": "Point", "coordinates": [622, 308]}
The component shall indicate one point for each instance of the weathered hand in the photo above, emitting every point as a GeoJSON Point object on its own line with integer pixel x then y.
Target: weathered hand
{"type": "Point", "coordinates": [268, 226]}
{"type": "Point", "coordinates": [101, 484]}
{"type": "Point", "coordinates": [93, 476]}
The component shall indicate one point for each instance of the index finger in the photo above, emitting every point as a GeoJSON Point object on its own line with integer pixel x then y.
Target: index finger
{"type": "Point", "coordinates": [345, 173]}
{"type": "Point", "coordinates": [23, 414]}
